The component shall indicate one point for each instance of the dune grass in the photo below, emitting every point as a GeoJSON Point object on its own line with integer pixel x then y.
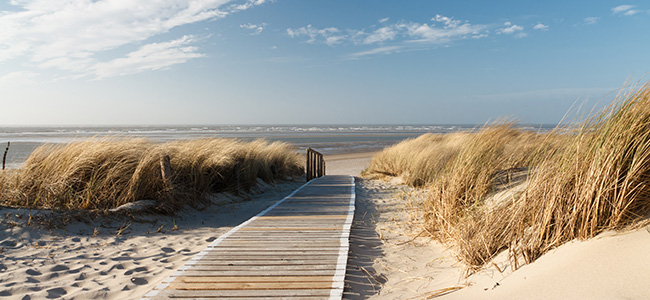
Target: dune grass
{"type": "Point", "coordinates": [106, 173]}
{"type": "Point", "coordinates": [578, 183]}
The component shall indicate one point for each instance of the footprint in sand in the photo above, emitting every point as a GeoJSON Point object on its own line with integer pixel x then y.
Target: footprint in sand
{"type": "Point", "coordinates": [32, 280]}
{"type": "Point", "coordinates": [33, 272]}
{"type": "Point", "coordinates": [58, 268]}
{"type": "Point", "coordinates": [210, 239]}
{"type": "Point", "coordinates": [55, 293]}
{"type": "Point", "coordinates": [139, 281]}
{"type": "Point", "coordinates": [138, 269]}
{"type": "Point", "coordinates": [167, 250]}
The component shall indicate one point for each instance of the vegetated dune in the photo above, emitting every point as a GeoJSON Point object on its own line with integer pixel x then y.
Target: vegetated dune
{"type": "Point", "coordinates": [569, 184]}
{"type": "Point", "coordinates": [106, 173]}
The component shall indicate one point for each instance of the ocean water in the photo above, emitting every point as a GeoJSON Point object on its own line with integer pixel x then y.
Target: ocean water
{"type": "Point", "coordinates": [327, 139]}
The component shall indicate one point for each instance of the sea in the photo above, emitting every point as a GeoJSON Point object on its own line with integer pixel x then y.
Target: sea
{"type": "Point", "coordinates": [327, 139]}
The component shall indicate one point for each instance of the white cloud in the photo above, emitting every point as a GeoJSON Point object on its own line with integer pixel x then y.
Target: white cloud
{"type": "Point", "coordinates": [17, 78]}
{"type": "Point", "coordinates": [384, 20]}
{"type": "Point", "coordinates": [254, 28]}
{"type": "Point", "coordinates": [510, 28]}
{"type": "Point", "coordinates": [154, 56]}
{"type": "Point", "coordinates": [591, 20]}
{"type": "Point", "coordinates": [541, 27]}
{"type": "Point", "coordinates": [330, 35]}
{"type": "Point", "coordinates": [380, 50]}
{"type": "Point", "coordinates": [432, 34]}
{"type": "Point", "coordinates": [449, 22]}
{"type": "Point", "coordinates": [244, 6]}
{"type": "Point", "coordinates": [71, 35]}
{"type": "Point", "coordinates": [452, 29]}
{"type": "Point", "coordinates": [380, 35]}
{"type": "Point", "coordinates": [627, 10]}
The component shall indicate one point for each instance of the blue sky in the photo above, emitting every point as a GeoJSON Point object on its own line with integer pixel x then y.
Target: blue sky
{"type": "Point", "coordinates": [314, 62]}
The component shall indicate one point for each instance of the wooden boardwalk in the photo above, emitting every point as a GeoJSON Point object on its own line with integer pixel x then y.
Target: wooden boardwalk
{"type": "Point", "coordinates": [295, 249]}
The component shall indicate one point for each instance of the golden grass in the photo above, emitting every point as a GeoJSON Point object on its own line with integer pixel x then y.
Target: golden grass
{"type": "Point", "coordinates": [578, 183]}
{"type": "Point", "coordinates": [417, 161]}
{"type": "Point", "coordinates": [106, 173]}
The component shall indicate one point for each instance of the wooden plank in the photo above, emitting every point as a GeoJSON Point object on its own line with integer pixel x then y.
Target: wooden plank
{"type": "Point", "coordinates": [295, 243]}
{"type": "Point", "coordinates": [262, 273]}
{"type": "Point", "coordinates": [215, 250]}
{"type": "Point", "coordinates": [276, 248]}
{"type": "Point", "coordinates": [252, 298]}
{"type": "Point", "coordinates": [301, 217]}
{"type": "Point", "coordinates": [301, 229]}
{"type": "Point", "coordinates": [262, 257]}
{"type": "Point", "coordinates": [323, 234]}
{"type": "Point", "coordinates": [230, 293]}
{"type": "Point", "coordinates": [229, 262]}
{"type": "Point", "coordinates": [206, 279]}
{"type": "Point", "coordinates": [260, 267]}
{"type": "Point", "coordinates": [250, 286]}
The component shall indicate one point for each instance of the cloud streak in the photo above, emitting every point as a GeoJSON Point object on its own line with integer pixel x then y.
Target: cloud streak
{"type": "Point", "coordinates": [441, 30]}
{"type": "Point", "coordinates": [540, 26]}
{"type": "Point", "coordinates": [513, 29]}
{"type": "Point", "coordinates": [254, 28]}
{"type": "Point", "coordinates": [72, 35]}
{"type": "Point", "coordinates": [405, 36]}
{"type": "Point", "coordinates": [626, 10]}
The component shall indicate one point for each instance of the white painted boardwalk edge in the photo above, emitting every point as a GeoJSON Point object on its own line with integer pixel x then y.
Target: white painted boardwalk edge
{"type": "Point", "coordinates": [342, 262]}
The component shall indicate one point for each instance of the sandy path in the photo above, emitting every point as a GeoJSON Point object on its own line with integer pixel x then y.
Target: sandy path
{"type": "Point", "coordinates": [347, 164]}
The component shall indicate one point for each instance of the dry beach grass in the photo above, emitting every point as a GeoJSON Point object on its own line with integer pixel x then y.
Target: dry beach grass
{"type": "Point", "coordinates": [106, 173]}
{"type": "Point", "coordinates": [575, 184]}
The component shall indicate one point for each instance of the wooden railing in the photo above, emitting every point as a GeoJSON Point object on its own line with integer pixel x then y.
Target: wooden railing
{"type": "Point", "coordinates": [315, 165]}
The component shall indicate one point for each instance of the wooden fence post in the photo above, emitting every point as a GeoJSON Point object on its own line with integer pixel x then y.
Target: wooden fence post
{"type": "Point", "coordinates": [315, 164]}
{"type": "Point", "coordinates": [166, 171]}
{"type": "Point", "coordinates": [4, 157]}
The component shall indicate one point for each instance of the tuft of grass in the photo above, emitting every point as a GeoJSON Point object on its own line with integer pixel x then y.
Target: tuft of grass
{"type": "Point", "coordinates": [106, 173]}
{"type": "Point", "coordinates": [417, 161]}
{"type": "Point", "coordinates": [574, 184]}
{"type": "Point", "coordinates": [601, 182]}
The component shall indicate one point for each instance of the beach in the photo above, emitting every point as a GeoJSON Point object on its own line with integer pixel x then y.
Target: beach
{"type": "Point", "coordinates": [76, 255]}
{"type": "Point", "coordinates": [81, 256]}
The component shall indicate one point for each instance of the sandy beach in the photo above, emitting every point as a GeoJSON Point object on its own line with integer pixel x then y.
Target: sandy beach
{"type": "Point", "coordinates": [78, 256]}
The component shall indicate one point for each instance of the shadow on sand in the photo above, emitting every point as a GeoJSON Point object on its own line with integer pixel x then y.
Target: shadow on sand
{"type": "Point", "coordinates": [361, 278]}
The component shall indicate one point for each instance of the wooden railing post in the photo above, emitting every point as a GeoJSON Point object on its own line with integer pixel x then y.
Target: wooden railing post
{"type": "Point", "coordinates": [314, 164]}
{"type": "Point", "coordinates": [4, 157]}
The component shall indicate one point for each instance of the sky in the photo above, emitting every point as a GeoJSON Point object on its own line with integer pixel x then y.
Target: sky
{"type": "Point", "coordinates": [124, 62]}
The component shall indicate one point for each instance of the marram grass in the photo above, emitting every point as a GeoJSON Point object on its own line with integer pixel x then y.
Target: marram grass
{"type": "Point", "coordinates": [106, 173]}
{"type": "Point", "coordinates": [577, 183]}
